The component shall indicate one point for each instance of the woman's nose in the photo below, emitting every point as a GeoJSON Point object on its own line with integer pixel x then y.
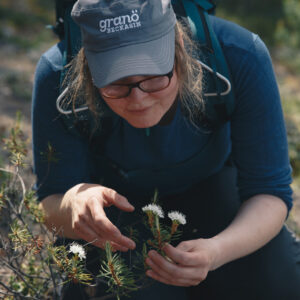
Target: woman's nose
{"type": "Point", "coordinates": [137, 94]}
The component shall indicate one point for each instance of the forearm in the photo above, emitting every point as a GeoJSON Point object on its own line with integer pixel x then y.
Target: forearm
{"type": "Point", "coordinates": [259, 220]}
{"type": "Point", "coordinates": [56, 216]}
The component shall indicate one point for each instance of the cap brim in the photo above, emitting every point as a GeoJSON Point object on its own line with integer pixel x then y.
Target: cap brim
{"type": "Point", "coordinates": [155, 57]}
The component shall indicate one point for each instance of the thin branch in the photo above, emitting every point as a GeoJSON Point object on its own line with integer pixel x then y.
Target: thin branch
{"type": "Point", "coordinates": [53, 280]}
{"type": "Point", "coordinates": [22, 184]}
{"type": "Point", "coordinates": [8, 288]}
{"type": "Point", "coordinates": [16, 293]}
{"type": "Point", "coordinates": [11, 267]}
{"type": "Point", "coordinates": [88, 243]}
{"type": "Point", "coordinates": [21, 275]}
{"type": "Point", "coordinates": [32, 236]}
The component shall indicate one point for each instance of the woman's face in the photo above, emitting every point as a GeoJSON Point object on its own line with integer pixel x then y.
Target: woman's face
{"type": "Point", "coordinates": [141, 109]}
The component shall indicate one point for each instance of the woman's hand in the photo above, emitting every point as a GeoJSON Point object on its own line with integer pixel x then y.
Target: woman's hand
{"type": "Point", "coordinates": [259, 219]}
{"type": "Point", "coordinates": [80, 213]}
{"type": "Point", "coordinates": [188, 263]}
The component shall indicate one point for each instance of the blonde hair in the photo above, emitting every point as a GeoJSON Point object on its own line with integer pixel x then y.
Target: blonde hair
{"type": "Point", "coordinates": [81, 89]}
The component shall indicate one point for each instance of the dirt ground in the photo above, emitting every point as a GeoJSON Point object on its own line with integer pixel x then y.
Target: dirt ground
{"type": "Point", "coordinates": [17, 73]}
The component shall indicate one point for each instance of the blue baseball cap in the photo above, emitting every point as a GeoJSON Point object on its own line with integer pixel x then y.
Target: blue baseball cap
{"type": "Point", "coordinates": [124, 38]}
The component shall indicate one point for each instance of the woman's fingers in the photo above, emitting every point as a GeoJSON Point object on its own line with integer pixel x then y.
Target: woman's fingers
{"type": "Point", "coordinates": [180, 282]}
{"type": "Point", "coordinates": [178, 276]}
{"type": "Point", "coordinates": [168, 268]}
{"type": "Point", "coordinates": [85, 232]}
{"type": "Point", "coordinates": [181, 255]}
{"type": "Point", "coordinates": [159, 271]}
{"type": "Point", "coordinates": [117, 247]}
{"type": "Point", "coordinates": [89, 210]}
{"type": "Point", "coordinates": [104, 227]}
{"type": "Point", "coordinates": [174, 272]}
{"type": "Point", "coordinates": [111, 197]}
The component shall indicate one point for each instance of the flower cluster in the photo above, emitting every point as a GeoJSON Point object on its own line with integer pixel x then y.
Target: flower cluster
{"type": "Point", "coordinates": [155, 209]}
{"type": "Point", "coordinates": [160, 233]}
{"type": "Point", "coordinates": [78, 250]}
{"type": "Point", "coordinates": [177, 217]}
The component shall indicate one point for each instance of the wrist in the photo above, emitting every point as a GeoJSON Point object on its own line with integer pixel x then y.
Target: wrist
{"type": "Point", "coordinates": [216, 253]}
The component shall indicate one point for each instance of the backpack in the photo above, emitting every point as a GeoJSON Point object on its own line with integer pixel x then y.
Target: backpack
{"type": "Point", "coordinates": [218, 97]}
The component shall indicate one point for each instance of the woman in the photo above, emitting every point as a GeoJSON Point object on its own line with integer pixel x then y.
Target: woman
{"type": "Point", "coordinates": [231, 182]}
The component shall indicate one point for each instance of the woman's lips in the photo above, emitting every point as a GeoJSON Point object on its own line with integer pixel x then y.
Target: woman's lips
{"type": "Point", "coordinates": [139, 110]}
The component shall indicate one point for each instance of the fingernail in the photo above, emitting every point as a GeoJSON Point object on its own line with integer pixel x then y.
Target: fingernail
{"type": "Point", "coordinates": [132, 245]}
{"type": "Point", "coordinates": [131, 206]}
{"type": "Point", "coordinates": [128, 204]}
{"type": "Point", "coordinates": [149, 273]}
{"type": "Point", "coordinates": [165, 246]}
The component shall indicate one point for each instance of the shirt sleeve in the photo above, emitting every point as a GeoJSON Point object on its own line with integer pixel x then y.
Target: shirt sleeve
{"type": "Point", "coordinates": [259, 141]}
{"type": "Point", "coordinates": [60, 159]}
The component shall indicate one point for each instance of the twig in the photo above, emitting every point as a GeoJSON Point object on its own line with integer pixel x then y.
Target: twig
{"type": "Point", "coordinates": [86, 244]}
{"type": "Point", "coordinates": [11, 267]}
{"type": "Point", "coordinates": [22, 184]}
{"type": "Point", "coordinates": [32, 236]}
{"type": "Point", "coordinates": [54, 282]}
{"type": "Point", "coordinates": [20, 274]}
{"type": "Point", "coordinates": [16, 293]}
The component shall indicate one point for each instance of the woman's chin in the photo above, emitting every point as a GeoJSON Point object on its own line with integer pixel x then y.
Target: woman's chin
{"type": "Point", "coordinates": [143, 122]}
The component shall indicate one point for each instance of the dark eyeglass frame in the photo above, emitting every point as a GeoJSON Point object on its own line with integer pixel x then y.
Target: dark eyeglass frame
{"type": "Point", "coordinates": [137, 84]}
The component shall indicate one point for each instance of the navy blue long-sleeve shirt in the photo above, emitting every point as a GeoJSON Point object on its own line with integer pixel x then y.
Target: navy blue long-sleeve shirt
{"type": "Point", "coordinates": [255, 135]}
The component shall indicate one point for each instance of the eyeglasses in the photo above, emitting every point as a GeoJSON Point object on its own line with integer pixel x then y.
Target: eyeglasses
{"type": "Point", "coordinates": [148, 85]}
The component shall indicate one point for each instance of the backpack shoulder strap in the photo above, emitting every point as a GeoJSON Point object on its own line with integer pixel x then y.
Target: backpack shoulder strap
{"type": "Point", "coordinates": [69, 32]}
{"type": "Point", "coordinates": [218, 108]}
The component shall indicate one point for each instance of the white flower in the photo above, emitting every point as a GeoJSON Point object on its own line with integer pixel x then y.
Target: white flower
{"type": "Point", "coordinates": [156, 209]}
{"type": "Point", "coordinates": [177, 217]}
{"type": "Point", "coordinates": [77, 249]}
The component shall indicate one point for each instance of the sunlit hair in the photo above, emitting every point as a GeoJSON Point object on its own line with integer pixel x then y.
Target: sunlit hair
{"type": "Point", "coordinates": [189, 73]}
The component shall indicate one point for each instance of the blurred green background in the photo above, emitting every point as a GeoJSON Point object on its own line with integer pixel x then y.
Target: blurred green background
{"type": "Point", "coordinates": [24, 36]}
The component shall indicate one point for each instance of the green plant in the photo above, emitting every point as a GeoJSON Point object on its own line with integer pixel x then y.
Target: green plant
{"type": "Point", "coordinates": [38, 267]}
{"type": "Point", "coordinates": [28, 251]}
